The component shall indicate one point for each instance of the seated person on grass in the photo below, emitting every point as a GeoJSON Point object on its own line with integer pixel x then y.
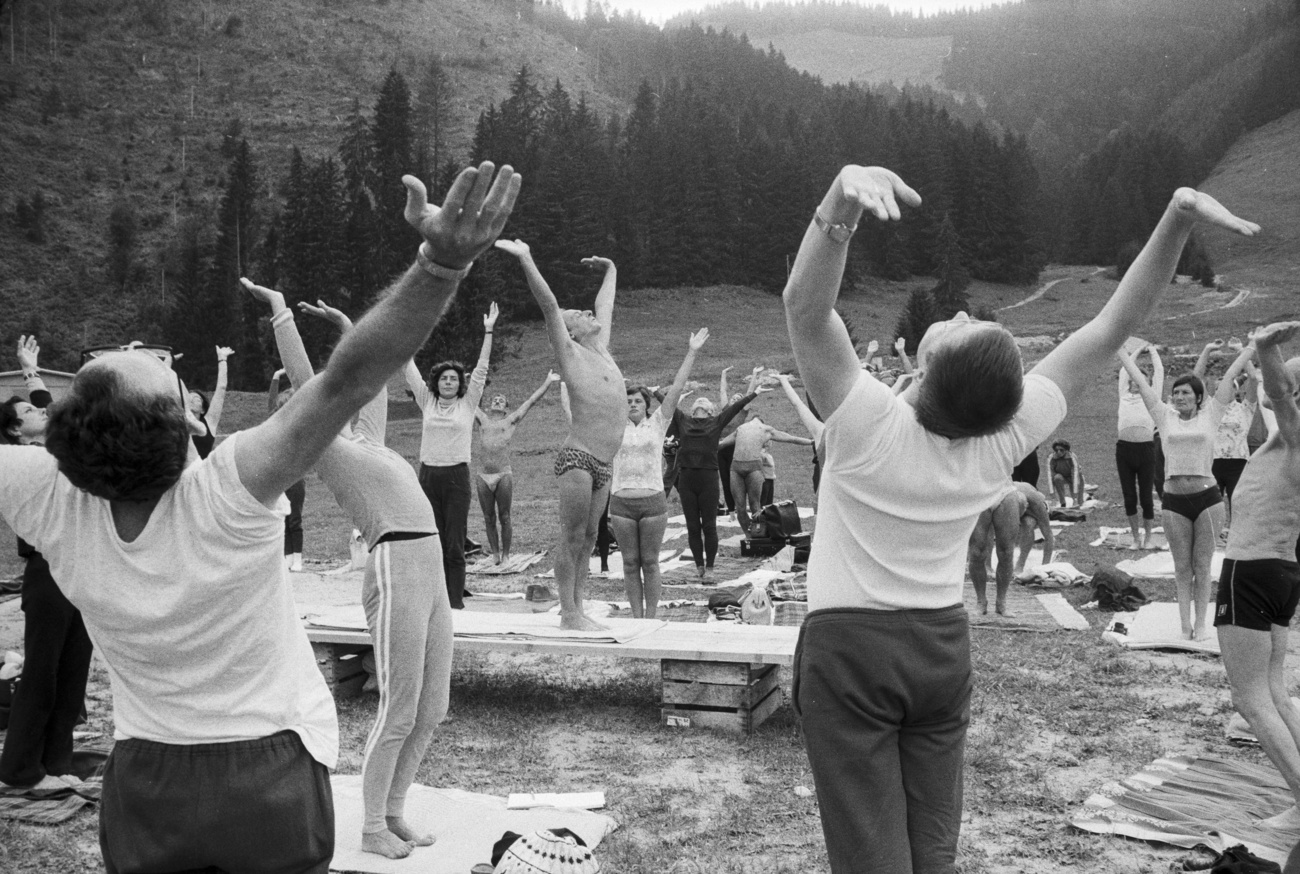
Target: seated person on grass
{"type": "Point", "coordinates": [179, 577]}
{"type": "Point", "coordinates": [495, 482]}
{"type": "Point", "coordinates": [598, 404]}
{"type": "Point", "coordinates": [883, 669]}
{"type": "Point", "coordinates": [1067, 475]}
{"type": "Point", "coordinates": [1259, 585]}
{"type": "Point", "coordinates": [998, 529]}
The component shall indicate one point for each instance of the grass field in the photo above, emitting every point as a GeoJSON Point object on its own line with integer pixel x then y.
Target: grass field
{"type": "Point", "coordinates": [1055, 716]}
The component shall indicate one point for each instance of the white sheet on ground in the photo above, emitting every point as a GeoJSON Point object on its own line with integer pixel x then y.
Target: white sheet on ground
{"type": "Point", "coordinates": [1160, 565]}
{"type": "Point", "coordinates": [669, 560]}
{"type": "Point", "coordinates": [466, 825]}
{"type": "Point", "coordinates": [1122, 538]}
{"type": "Point", "coordinates": [475, 623]}
{"type": "Point", "coordinates": [1156, 626]}
{"type": "Point", "coordinates": [1064, 614]}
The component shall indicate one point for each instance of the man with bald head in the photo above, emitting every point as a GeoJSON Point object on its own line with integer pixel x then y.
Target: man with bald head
{"type": "Point", "coordinates": [225, 729]}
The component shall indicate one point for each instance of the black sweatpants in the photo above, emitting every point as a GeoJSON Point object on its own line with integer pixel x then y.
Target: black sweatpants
{"type": "Point", "coordinates": [1136, 465]}
{"type": "Point", "coordinates": [447, 488]}
{"type": "Point", "coordinates": [698, 489]}
{"type": "Point", "coordinates": [883, 697]}
{"type": "Point", "coordinates": [245, 807]}
{"type": "Point", "coordinates": [49, 699]}
{"type": "Point", "coordinates": [725, 454]}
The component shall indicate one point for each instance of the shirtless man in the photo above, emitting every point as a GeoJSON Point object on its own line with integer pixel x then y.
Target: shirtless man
{"type": "Point", "coordinates": [598, 400]}
{"type": "Point", "coordinates": [1021, 509]}
{"type": "Point", "coordinates": [496, 479]}
{"type": "Point", "coordinates": [1259, 586]}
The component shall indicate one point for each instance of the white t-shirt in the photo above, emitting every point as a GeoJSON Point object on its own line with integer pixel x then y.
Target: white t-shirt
{"type": "Point", "coordinates": [195, 618]}
{"type": "Point", "coordinates": [1188, 444]}
{"type": "Point", "coordinates": [898, 503]}
{"type": "Point", "coordinates": [638, 464]}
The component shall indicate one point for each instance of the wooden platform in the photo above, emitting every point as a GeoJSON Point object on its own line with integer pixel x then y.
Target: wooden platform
{"type": "Point", "coordinates": [738, 692]}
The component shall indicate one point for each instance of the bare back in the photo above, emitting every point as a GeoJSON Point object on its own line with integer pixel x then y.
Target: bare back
{"type": "Point", "coordinates": [1266, 504]}
{"type": "Point", "coordinates": [597, 400]}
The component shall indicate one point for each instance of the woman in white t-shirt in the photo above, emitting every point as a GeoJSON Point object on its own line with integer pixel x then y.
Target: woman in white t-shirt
{"type": "Point", "coordinates": [638, 508]}
{"type": "Point", "coordinates": [1192, 504]}
{"type": "Point", "coordinates": [1135, 449]}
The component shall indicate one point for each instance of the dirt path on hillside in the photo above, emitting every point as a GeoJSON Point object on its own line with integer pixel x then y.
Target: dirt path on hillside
{"type": "Point", "coordinates": [1043, 289]}
{"type": "Point", "coordinates": [1242, 295]}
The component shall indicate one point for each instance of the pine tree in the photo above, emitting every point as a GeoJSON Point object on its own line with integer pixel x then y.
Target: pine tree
{"type": "Point", "coordinates": [235, 315]}
{"type": "Point", "coordinates": [919, 314]}
{"type": "Point", "coordinates": [433, 114]}
{"type": "Point", "coordinates": [394, 150]}
{"type": "Point", "coordinates": [949, 294]}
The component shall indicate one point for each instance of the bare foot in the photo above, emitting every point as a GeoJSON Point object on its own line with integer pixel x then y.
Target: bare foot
{"type": "Point", "coordinates": [579, 622]}
{"type": "Point", "coordinates": [982, 607]}
{"type": "Point", "coordinates": [1201, 207]}
{"type": "Point", "coordinates": [496, 559]}
{"type": "Point", "coordinates": [397, 825]}
{"type": "Point", "coordinates": [1288, 819]}
{"type": "Point", "coordinates": [1003, 611]}
{"type": "Point", "coordinates": [1201, 634]}
{"type": "Point", "coordinates": [385, 843]}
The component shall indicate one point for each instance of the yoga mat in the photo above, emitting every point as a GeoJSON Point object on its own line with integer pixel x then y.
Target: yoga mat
{"type": "Point", "coordinates": [1122, 538]}
{"type": "Point", "coordinates": [1190, 800]}
{"type": "Point", "coordinates": [1161, 565]}
{"type": "Point", "coordinates": [1064, 614]}
{"type": "Point", "coordinates": [669, 560]}
{"type": "Point", "coordinates": [1156, 626]}
{"type": "Point", "coordinates": [466, 825]}
{"type": "Point", "coordinates": [1028, 612]}
{"type": "Point", "coordinates": [517, 564]}
{"type": "Point", "coordinates": [475, 623]}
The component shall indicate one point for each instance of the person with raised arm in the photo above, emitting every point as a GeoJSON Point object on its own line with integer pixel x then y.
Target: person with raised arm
{"type": "Point", "coordinates": [296, 494]}
{"type": "Point", "coordinates": [208, 412]}
{"type": "Point", "coordinates": [598, 408]}
{"type": "Point", "coordinates": [496, 480]}
{"type": "Point", "coordinates": [448, 404]}
{"type": "Point", "coordinates": [1192, 503]}
{"type": "Point", "coordinates": [638, 508]}
{"type": "Point", "coordinates": [1135, 448]}
{"type": "Point", "coordinates": [751, 441]}
{"type": "Point", "coordinates": [409, 620]}
{"type": "Point", "coordinates": [882, 673]}
{"type": "Point", "coordinates": [1259, 585]}
{"type": "Point", "coordinates": [178, 576]}
{"type": "Point", "coordinates": [47, 704]}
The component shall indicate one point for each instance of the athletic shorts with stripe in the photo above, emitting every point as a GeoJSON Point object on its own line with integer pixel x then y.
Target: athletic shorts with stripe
{"type": "Point", "coordinates": [1257, 593]}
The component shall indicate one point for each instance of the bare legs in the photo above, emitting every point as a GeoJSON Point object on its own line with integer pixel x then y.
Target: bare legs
{"type": "Point", "coordinates": [580, 512]}
{"type": "Point", "coordinates": [1255, 662]}
{"type": "Point", "coordinates": [639, 541]}
{"type": "Point", "coordinates": [1192, 546]}
{"type": "Point", "coordinates": [496, 503]}
{"type": "Point", "coordinates": [1064, 487]}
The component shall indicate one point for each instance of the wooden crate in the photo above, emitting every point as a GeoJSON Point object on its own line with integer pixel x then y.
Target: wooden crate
{"type": "Point", "coordinates": [340, 663]}
{"type": "Point", "coordinates": [734, 696]}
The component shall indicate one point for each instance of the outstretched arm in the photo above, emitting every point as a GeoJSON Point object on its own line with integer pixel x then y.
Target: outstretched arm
{"type": "Point", "coordinates": [478, 377]}
{"type": "Point", "coordinates": [674, 394]}
{"type": "Point", "coordinates": [723, 395]}
{"type": "Point", "coordinates": [1074, 363]}
{"type": "Point", "coordinates": [605, 297]}
{"type": "Point", "coordinates": [217, 406]}
{"type": "Point", "coordinates": [782, 437]}
{"type": "Point", "coordinates": [372, 420]}
{"type": "Point", "coordinates": [550, 307]}
{"type": "Point", "coordinates": [1279, 385]}
{"type": "Point", "coordinates": [1227, 386]}
{"type": "Point", "coordinates": [1157, 371]}
{"type": "Point", "coordinates": [518, 415]}
{"type": "Point", "coordinates": [1149, 396]}
{"type": "Point", "coordinates": [822, 349]}
{"type": "Point", "coordinates": [900, 346]}
{"type": "Point", "coordinates": [1203, 360]}
{"type": "Point", "coordinates": [810, 422]}
{"type": "Point", "coordinates": [277, 453]}
{"type": "Point", "coordinates": [273, 392]}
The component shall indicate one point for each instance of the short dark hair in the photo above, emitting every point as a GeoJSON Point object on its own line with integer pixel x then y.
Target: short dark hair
{"type": "Point", "coordinates": [115, 447]}
{"type": "Point", "coordinates": [436, 372]}
{"type": "Point", "coordinates": [971, 387]}
{"type": "Point", "coordinates": [9, 418]}
{"type": "Point", "coordinates": [1198, 387]}
{"type": "Point", "coordinates": [643, 391]}
{"type": "Point", "coordinates": [1061, 444]}
{"type": "Point", "coordinates": [203, 396]}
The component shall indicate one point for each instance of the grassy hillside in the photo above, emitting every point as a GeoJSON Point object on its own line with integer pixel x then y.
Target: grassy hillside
{"type": "Point", "coordinates": [874, 60]}
{"type": "Point", "coordinates": [104, 102]}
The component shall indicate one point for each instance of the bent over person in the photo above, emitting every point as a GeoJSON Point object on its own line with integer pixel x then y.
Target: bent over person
{"type": "Point", "coordinates": [179, 578]}
{"type": "Point", "coordinates": [882, 672]}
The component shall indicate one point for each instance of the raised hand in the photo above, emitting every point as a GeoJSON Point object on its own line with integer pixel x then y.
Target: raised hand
{"type": "Point", "coordinates": [1274, 335]}
{"type": "Point", "coordinates": [595, 262]}
{"type": "Point", "coordinates": [279, 373]}
{"type": "Point", "coordinates": [698, 339]}
{"type": "Point", "coordinates": [728, 368]}
{"type": "Point", "coordinates": [1199, 206]}
{"type": "Point", "coordinates": [322, 310]}
{"type": "Point", "coordinates": [224, 352]}
{"type": "Point", "coordinates": [518, 248]}
{"type": "Point", "coordinates": [28, 352]}
{"type": "Point", "coordinates": [872, 348]}
{"type": "Point", "coordinates": [900, 344]}
{"type": "Point", "coordinates": [552, 377]}
{"type": "Point", "coordinates": [491, 318]}
{"type": "Point", "coordinates": [268, 296]}
{"type": "Point", "coordinates": [471, 216]}
{"type": "Point", "coordinates": [1214, 345]}
{"type": "Point", "coordinates": [876, 190]}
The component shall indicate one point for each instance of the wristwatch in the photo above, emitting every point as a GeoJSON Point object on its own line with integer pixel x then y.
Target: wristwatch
{"type": "Point", "coordinates": [433, 268]}
{"type": "Point", "coordinates": [840, 233]}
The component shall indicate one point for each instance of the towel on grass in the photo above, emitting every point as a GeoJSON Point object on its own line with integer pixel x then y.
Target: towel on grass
{"type": "Point", "coordinates": [1122, 538]}
{"type": "Point", "coordinates": [514, 565]}
{"type": "Point", "coordinates": [1160, 565]}
{"type": "Point", "coordinates": [1156, 626]}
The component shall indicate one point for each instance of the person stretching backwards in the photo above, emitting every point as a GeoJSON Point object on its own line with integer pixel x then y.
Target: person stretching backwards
{"type": "Point", "coordinates": [409, 619]}
{"type": "Point", "coordinates": [1259, 585]}
{"type": "Point", "coordinates": [598, 403]}
{"type": "Point", "coordinates": [998, 528]}
{"type": "Point", "coordinates": [496, 479]}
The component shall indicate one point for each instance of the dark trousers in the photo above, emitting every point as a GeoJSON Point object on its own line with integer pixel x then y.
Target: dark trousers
{"type": "Point", "coordinates": [448, 491]}
{"type": "Point", "coordinates": [883, 698]}
{"type": "Point", "coordinates": [699, 493]}
{"type": "Point", "coordinates": [1226, 473]}
{"type": "Point", "coordinates": [1160, 466]}
{"type": "Point", "coordinates": [50, 696]}
{"type": "Point", "coordinates": [604, 538]}
{"type": "Point", "coordinates": [1027, 470]}
{"type": "Point", "coordinates": [1136, 464]}
{"type": "Point", "coordinates": [297, 495]}
{"type": "Point", "coordinates": [725, 454]}
{"type": "Point", "coordinates": [768, 490]}
{"type": "Point", "coordinates": [244, 807]}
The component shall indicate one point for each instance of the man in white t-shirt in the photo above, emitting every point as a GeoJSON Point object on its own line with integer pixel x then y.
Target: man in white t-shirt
{"type": "Point", "coordinates": [882, 669]}
{"type": "Point", "coordinates": [225, 729]}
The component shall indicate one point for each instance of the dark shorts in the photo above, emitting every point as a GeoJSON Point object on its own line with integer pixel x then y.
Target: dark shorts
{"type": "Point", "coordinates": [1257, 594]}
{"type": "Point", "coordinates": [1193, 505]}
{"type": "Point", "coordinates": [636, 509]}
{"type": "Point", "coordinates": [252, 806]}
